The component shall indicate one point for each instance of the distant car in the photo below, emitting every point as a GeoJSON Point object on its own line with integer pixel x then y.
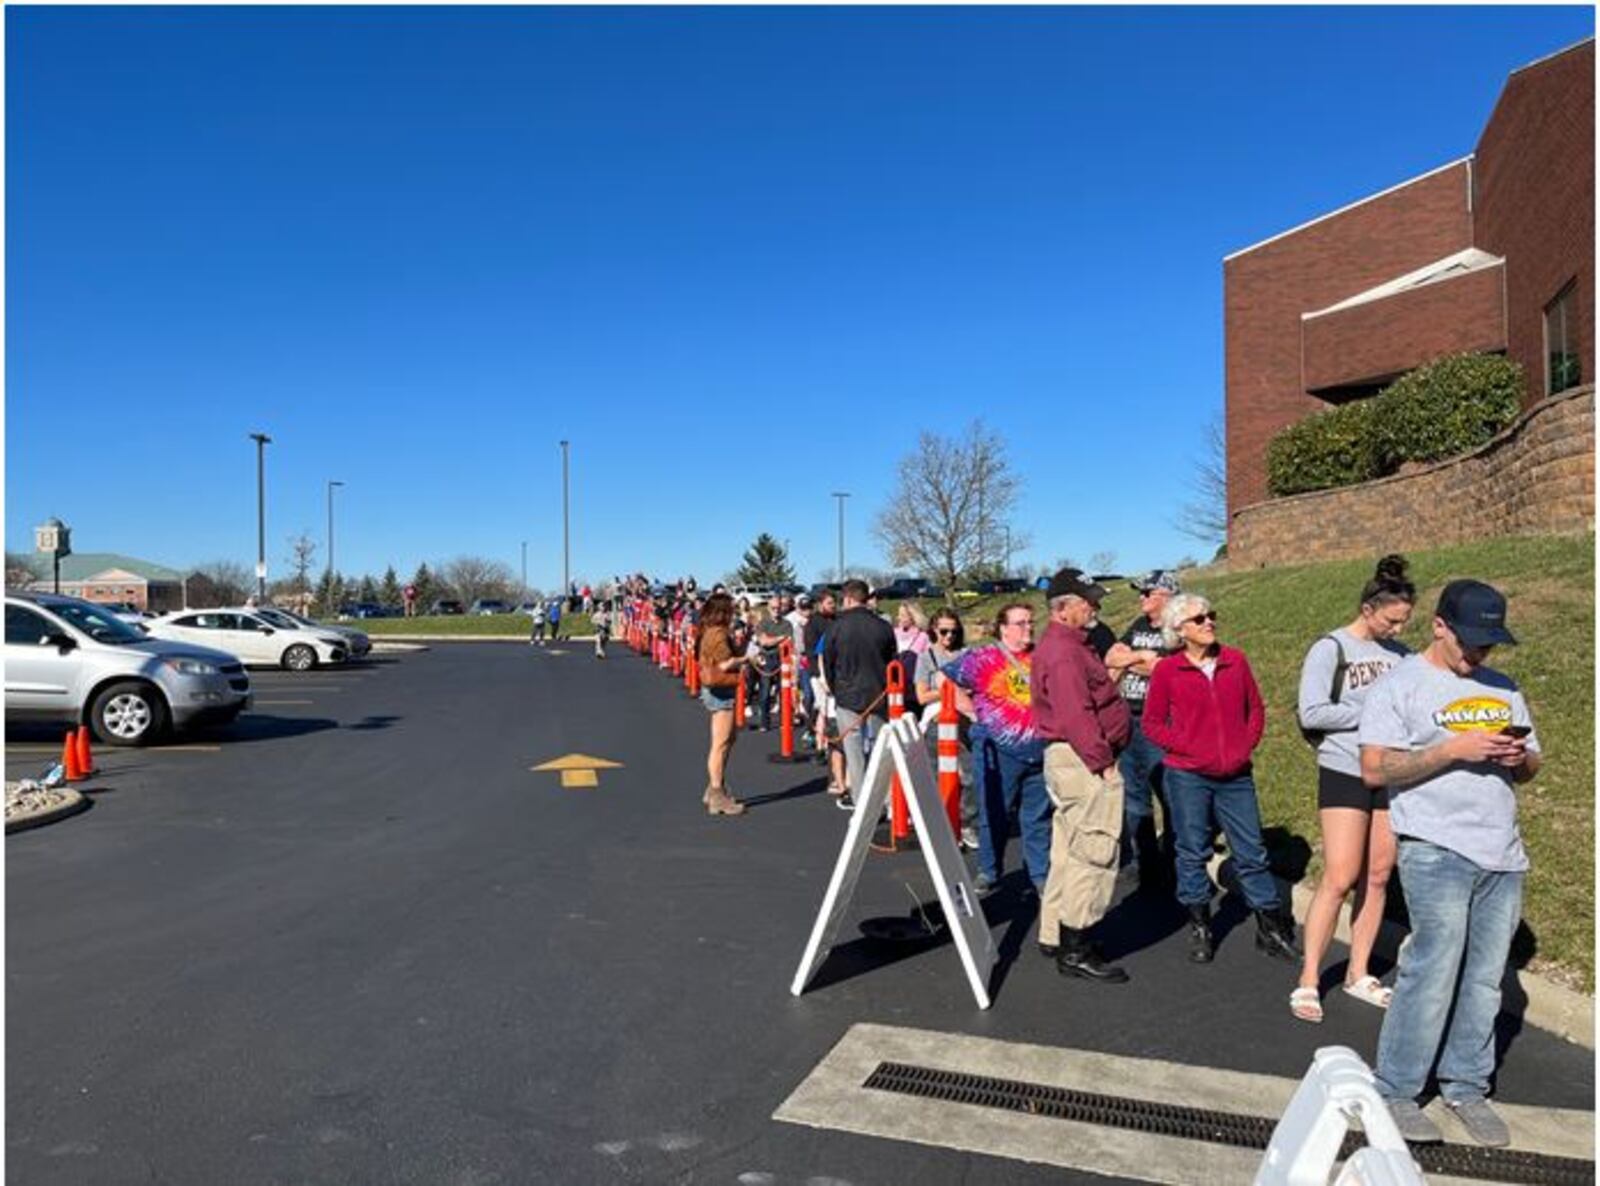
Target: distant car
{"type": "Point", "coordinates": [362, 609]}
{"type": "Point", "coordinates": [756, 595]}
{"type": "Point", "coordinates": [245, 632]}
{"type": "Point", "coordinates": [447, 605]}
{"type": "Point", "coordinates": [485, 606]}
{"type": "Point", "coordinates": [1004, 585]}
{"type": "Point", "coordinates": [531, 608]}
{"type": "Point", "coordinates": [356, 641]}
{"type": "Point", "coordinates": [904, 588]}
{"type": "Point", "coordinates": [72, 661]}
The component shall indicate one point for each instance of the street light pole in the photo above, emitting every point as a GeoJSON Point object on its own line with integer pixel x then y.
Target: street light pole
{"type": "Point", "coordinates": [331, 485]}
{"type": "Point", "coordinates": [524, 570]}
{"type": "Point", "coordinates": [566, 525]}
{"type": "Point", "coordinates": [841, 495]}
{"type": "Point", "coordinates": [262, 440]}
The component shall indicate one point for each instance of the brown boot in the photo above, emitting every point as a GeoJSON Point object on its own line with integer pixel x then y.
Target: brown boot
{"type": "Point", "coordinates": [722, 803]}
{"type": "Point", "coordinates": [706, 798]}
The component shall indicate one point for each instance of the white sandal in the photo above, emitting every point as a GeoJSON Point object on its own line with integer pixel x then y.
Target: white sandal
{"type": "Point", "coordinates": [1306, 1005]}
{"type": "Point", "coordinates": [1371, 990]}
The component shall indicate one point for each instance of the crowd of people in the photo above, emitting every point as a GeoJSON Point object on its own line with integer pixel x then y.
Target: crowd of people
{"type": "Point", "coordinates": [1077, 737]}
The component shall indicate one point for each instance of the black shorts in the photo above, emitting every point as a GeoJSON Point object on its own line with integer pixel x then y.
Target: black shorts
{"type": "Point", "coordinates": [1336, 789]}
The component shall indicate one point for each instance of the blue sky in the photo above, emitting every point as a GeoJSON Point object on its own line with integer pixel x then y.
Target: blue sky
{"type": "Point", "coordinates": [740, 257]}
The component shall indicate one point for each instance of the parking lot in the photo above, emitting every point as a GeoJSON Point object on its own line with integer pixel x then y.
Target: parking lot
{"type": "Point", "coordinates": [358, 937]}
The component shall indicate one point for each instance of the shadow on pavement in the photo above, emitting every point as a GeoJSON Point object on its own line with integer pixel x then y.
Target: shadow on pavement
{"type": "Point", "coordinates": [805, 790]}
{"type": "Point", "coordinates": [251, 727]}
{"type": "Point", "coordinates": [366, 724]}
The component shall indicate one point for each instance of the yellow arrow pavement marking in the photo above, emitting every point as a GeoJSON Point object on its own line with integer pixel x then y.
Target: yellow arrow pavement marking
{"type": "Point", "coordinates": [577, 770]}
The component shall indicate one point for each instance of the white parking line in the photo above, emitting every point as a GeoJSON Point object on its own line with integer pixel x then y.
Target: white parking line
{"type": "Point", "coordinates": [833, 1097]}
{"type": "Point", "coordinates": [275, 702]}
{"type": "Point", "coordinates": [158, 749]}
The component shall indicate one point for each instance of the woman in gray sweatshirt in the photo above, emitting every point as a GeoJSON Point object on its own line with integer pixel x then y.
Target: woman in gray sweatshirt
{"type": "Point", "coordinates": [1358, 848]}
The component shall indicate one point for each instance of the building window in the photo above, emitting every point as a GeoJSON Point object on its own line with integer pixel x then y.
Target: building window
{"type": "Point", "coordinates": [1562, 368]}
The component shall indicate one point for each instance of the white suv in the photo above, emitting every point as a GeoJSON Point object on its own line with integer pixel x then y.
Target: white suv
{"type": "Point", "coordinates": [75, 662]}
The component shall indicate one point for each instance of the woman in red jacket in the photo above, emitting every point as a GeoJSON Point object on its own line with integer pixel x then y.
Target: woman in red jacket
{"type": "Point", "coordinates": [1205, 711]}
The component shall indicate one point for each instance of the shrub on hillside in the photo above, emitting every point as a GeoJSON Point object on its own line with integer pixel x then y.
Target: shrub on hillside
{"type": "Point", "coordinates": [1439, 410]}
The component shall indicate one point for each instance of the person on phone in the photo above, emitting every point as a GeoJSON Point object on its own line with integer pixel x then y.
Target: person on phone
{"type": "Point", "coordinates": [1449, 737]}
{"type": "Point", "coordinates": [1338, 674]}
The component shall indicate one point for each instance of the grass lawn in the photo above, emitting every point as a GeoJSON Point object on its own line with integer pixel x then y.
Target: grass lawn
{"type": "Point", "coordinates": [1273, 615]}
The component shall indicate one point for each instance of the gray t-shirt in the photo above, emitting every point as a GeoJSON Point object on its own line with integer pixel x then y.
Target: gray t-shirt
{"type": "Point", "coordinates": [1367, 659]}
{"type": "Point", "coordinates": [928, 673]}
{"type": "Point", "coordinates": [1469, 808]}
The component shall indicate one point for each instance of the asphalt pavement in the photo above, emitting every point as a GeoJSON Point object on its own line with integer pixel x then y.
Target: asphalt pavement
{"type": "Point", "coordinates": [356, 938]}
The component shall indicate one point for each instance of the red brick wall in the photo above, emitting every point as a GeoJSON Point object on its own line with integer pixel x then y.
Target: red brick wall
{"type": "Point", "coordinates": [1266, 288]}
{"type": "Point", "coordinates": [1535, 201]}
{"type": "Point", "coordinates": [1381, 339]}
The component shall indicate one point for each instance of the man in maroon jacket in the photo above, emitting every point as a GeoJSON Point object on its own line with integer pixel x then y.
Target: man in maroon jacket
{"type": "Point", "coordinates": [1084, 723]}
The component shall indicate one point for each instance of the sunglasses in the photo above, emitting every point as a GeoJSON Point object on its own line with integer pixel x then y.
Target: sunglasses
{"type": "Point", "coordinates": [944, 631]}
{"type": "Point", "coordinates": [1200, 619]}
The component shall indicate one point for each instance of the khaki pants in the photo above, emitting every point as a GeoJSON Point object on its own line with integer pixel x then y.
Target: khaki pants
{"type": "Point", "coordinates": [1085, 837]}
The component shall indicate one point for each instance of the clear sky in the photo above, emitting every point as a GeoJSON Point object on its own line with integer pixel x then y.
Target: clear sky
{"type": "Point", "coordinates": [738, 256]}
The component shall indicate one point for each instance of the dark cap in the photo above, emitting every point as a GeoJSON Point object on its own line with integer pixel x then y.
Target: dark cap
{"type": "Point", "coordinates": [1156, 578]}
{"type": "Point", "coordinates": [803, 601]}
{"type": "Point", "coordinates": [1072, 581]}
{"type": "Point", "coordinates": [1476, 613]}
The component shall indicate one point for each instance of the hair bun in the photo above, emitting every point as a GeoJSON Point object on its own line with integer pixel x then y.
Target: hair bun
{"type": "Point", "coordinates": [1391, 568]}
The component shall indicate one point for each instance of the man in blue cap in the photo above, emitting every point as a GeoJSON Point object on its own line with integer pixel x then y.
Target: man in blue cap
{"type": "Point", "coordinates": [1448, 737]}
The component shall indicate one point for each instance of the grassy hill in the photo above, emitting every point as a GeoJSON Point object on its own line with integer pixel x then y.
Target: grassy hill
{"type": "Point", "coordinates": [1273, 615]}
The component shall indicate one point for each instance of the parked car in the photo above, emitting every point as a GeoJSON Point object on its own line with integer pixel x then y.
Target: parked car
{"type": "Point", "coordinates": [75, 662]}
{"type": "Point", "coordinates": [531, 608]}
{"type": "Point", "coordinates": [447, 605]}
{"type": "Point", "coordinates": [244, 632]}
{"type": "Point", "coordinates": [485, 606]}
{"type": "Point", "coordinates": [905, 588]}
{"type": "Point", "coordinates": [357, 643]}
{"type": "Point", "coordinates": [1004, 585]}
{"type": "Point", "coordinates": [756, 595]}
{"type": "Point", "coordinates": [362, 609]}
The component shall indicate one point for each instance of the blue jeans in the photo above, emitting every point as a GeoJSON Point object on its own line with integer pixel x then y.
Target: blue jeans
{"type": "Point", "coordinates": [1142, 787]}
{"type": "Point", "coordinates": [1199, 805]}
{"type": "Point", "coordinates": [1008, 782]}
{"type": "Point", "coordinates": [1462, 917]}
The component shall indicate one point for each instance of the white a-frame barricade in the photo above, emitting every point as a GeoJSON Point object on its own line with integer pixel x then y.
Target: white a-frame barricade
{"type": "Point", "coordinates": [900, 748]}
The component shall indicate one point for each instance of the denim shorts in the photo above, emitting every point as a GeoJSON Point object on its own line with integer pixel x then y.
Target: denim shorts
{"type": "Point", "coordinates": [717, 699]}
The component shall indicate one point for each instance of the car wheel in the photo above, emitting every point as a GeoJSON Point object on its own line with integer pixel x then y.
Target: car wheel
{"type": "Point", "coordinates": [299, 657]}
{"type": "Point", "coordinates": [128, 713]}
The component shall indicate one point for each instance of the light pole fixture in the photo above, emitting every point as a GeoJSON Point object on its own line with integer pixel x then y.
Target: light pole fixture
{"type": "Point", "coordinates": [331, 484]}
{"type": "Point", "coordinates": [262, 440]}
{"type": "Point", "coordinates": [566, 524]}
{"type": "Point", "coordinates": [841, 495]}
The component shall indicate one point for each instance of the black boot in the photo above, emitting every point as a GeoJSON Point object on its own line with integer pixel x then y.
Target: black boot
{"type": "Point", "coordinates": [1275, 935]}
{"type": "Point", "coordinates": [1078, 957]}
{"type": "Point", "coordinates": [1201, 947]}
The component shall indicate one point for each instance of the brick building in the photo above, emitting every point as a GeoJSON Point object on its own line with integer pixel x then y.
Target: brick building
{"type": "Point", "coordinates": [110, 579]}
{"type": "Point", "coordinates": [1493, 252]}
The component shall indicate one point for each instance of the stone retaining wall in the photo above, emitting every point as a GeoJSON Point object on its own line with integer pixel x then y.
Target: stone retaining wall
{"type": "Point", "coordinates": [1535, 478]}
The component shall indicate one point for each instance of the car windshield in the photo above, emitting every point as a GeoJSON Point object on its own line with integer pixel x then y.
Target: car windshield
{"type": "Point", "coordinates": [98, 623]}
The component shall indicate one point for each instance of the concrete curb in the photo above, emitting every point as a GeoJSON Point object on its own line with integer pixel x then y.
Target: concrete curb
{"type": "Point", "coordinates": [393, 648]}
{"type": "Point", "coordinates": [1553, 1007]}
{"type": "Point", "coordinates": [74, 802]}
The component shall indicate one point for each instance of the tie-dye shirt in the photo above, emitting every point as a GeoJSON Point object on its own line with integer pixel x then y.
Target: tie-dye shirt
{"type": "Point", "coordinates": [1002, 697]}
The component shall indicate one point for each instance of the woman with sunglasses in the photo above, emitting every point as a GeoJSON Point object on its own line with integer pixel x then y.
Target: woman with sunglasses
{"type": "Point", "coordinates": [1358, 846]}
{"type": "Point", "coordinates": [1205, 711]}
{"type": "Point", "coordinates": [948, 644]}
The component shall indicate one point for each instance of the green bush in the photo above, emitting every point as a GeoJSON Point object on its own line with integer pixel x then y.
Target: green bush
{"type": "Point", "coordinates": [1332, 448]}
{"type": "Point", "coordinates": [1439, 410]}
{"type": "Point", "coordinates": [1445, 408]}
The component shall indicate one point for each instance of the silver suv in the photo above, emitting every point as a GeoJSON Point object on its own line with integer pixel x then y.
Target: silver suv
{"type": "Point", "coordinates": [78, 663]}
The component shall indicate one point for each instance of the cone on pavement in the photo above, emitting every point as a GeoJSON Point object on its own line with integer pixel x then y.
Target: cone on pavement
{"type": "Point", "coordinates": [85, 754]}
{"type": "Point", "coordinates": [69, 759]}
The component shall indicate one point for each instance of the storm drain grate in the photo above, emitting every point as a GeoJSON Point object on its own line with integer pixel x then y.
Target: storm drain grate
{"type": "Point", "coordinates": [1198, 1124]}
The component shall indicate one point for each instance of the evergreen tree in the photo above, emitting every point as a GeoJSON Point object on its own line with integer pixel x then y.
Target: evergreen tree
{"type": "Point", "coordinates": [427, 588]}
{"type": "Point", "coordinates": [368, 591]}
{"type": "Point", "coordinates": [766, 564]}
{"type": "Point", "coordinates": [389, 592]}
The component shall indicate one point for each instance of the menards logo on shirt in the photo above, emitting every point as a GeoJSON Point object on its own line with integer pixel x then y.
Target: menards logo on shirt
{"type": "Point", "coordinates": [1475, 714]}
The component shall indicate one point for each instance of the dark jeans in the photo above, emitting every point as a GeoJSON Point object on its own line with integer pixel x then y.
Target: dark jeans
{"type": "Point", "coordinates": [1142, 787]}
{"type": "Point", "coordinates": [1199, 805]}
{"type": "Point", "coordinates": [1007, 783]}
{"type": "Point", "coordinates": [767, 687]}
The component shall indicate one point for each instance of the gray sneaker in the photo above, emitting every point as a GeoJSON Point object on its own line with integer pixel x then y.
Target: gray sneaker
{"type": "Point", "coordinates": [1482, 1122]}
{"type": "Point", "coordinates": [1414, 1126]}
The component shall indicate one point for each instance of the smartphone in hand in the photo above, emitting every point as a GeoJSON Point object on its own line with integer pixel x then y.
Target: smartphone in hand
{"type": "Point", "coordinates": [1517, 731]}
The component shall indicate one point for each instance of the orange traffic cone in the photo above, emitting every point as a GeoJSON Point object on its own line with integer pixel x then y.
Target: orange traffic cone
{"type": "Point", "coordinates": [85, 754]}
{"type": "Point", "coordinates": [69, 759]}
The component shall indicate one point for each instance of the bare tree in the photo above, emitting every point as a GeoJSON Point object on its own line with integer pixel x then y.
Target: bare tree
{"type": "Point", "coordinates": [949, 515]}
{"type": "Point", "coordinates": [474, 577]}
{"type": "Point", "coordinates": [1102, 561]}
{"type": "Point", "coordinates": [22, 570]}
{"type": "Point", "coordinates": [220, 582]}
{"type": "Point", "coordinates": [302, 556]}
{"type": "Point", "coordinates": [1205, 516]}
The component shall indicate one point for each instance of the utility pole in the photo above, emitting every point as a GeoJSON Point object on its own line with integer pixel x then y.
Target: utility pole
{"type": "Point", "coordinates": [262, 440]}
{"type": "Point", "coordinates": [525, 571]}
{"type": "Point", "coordinates": [331, 485]}
{"type": "Point", "coordinates": [841, 495]}
{"type": "Point", "coordinates": [566, 524]}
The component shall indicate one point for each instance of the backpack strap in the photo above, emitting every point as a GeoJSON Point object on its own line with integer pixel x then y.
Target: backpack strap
{"type": "Point", "coordinates": [1340, 667]}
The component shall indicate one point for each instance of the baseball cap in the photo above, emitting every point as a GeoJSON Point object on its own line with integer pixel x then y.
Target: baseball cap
{"type": "Point", "coordinates": [1072, 580]}
{"type": "Point", "coordinates": [1156, 578]}
{"type": "Point", "coordinates": [803, 601]}
{"type": "Point", "coordinates": [1476, 613]}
